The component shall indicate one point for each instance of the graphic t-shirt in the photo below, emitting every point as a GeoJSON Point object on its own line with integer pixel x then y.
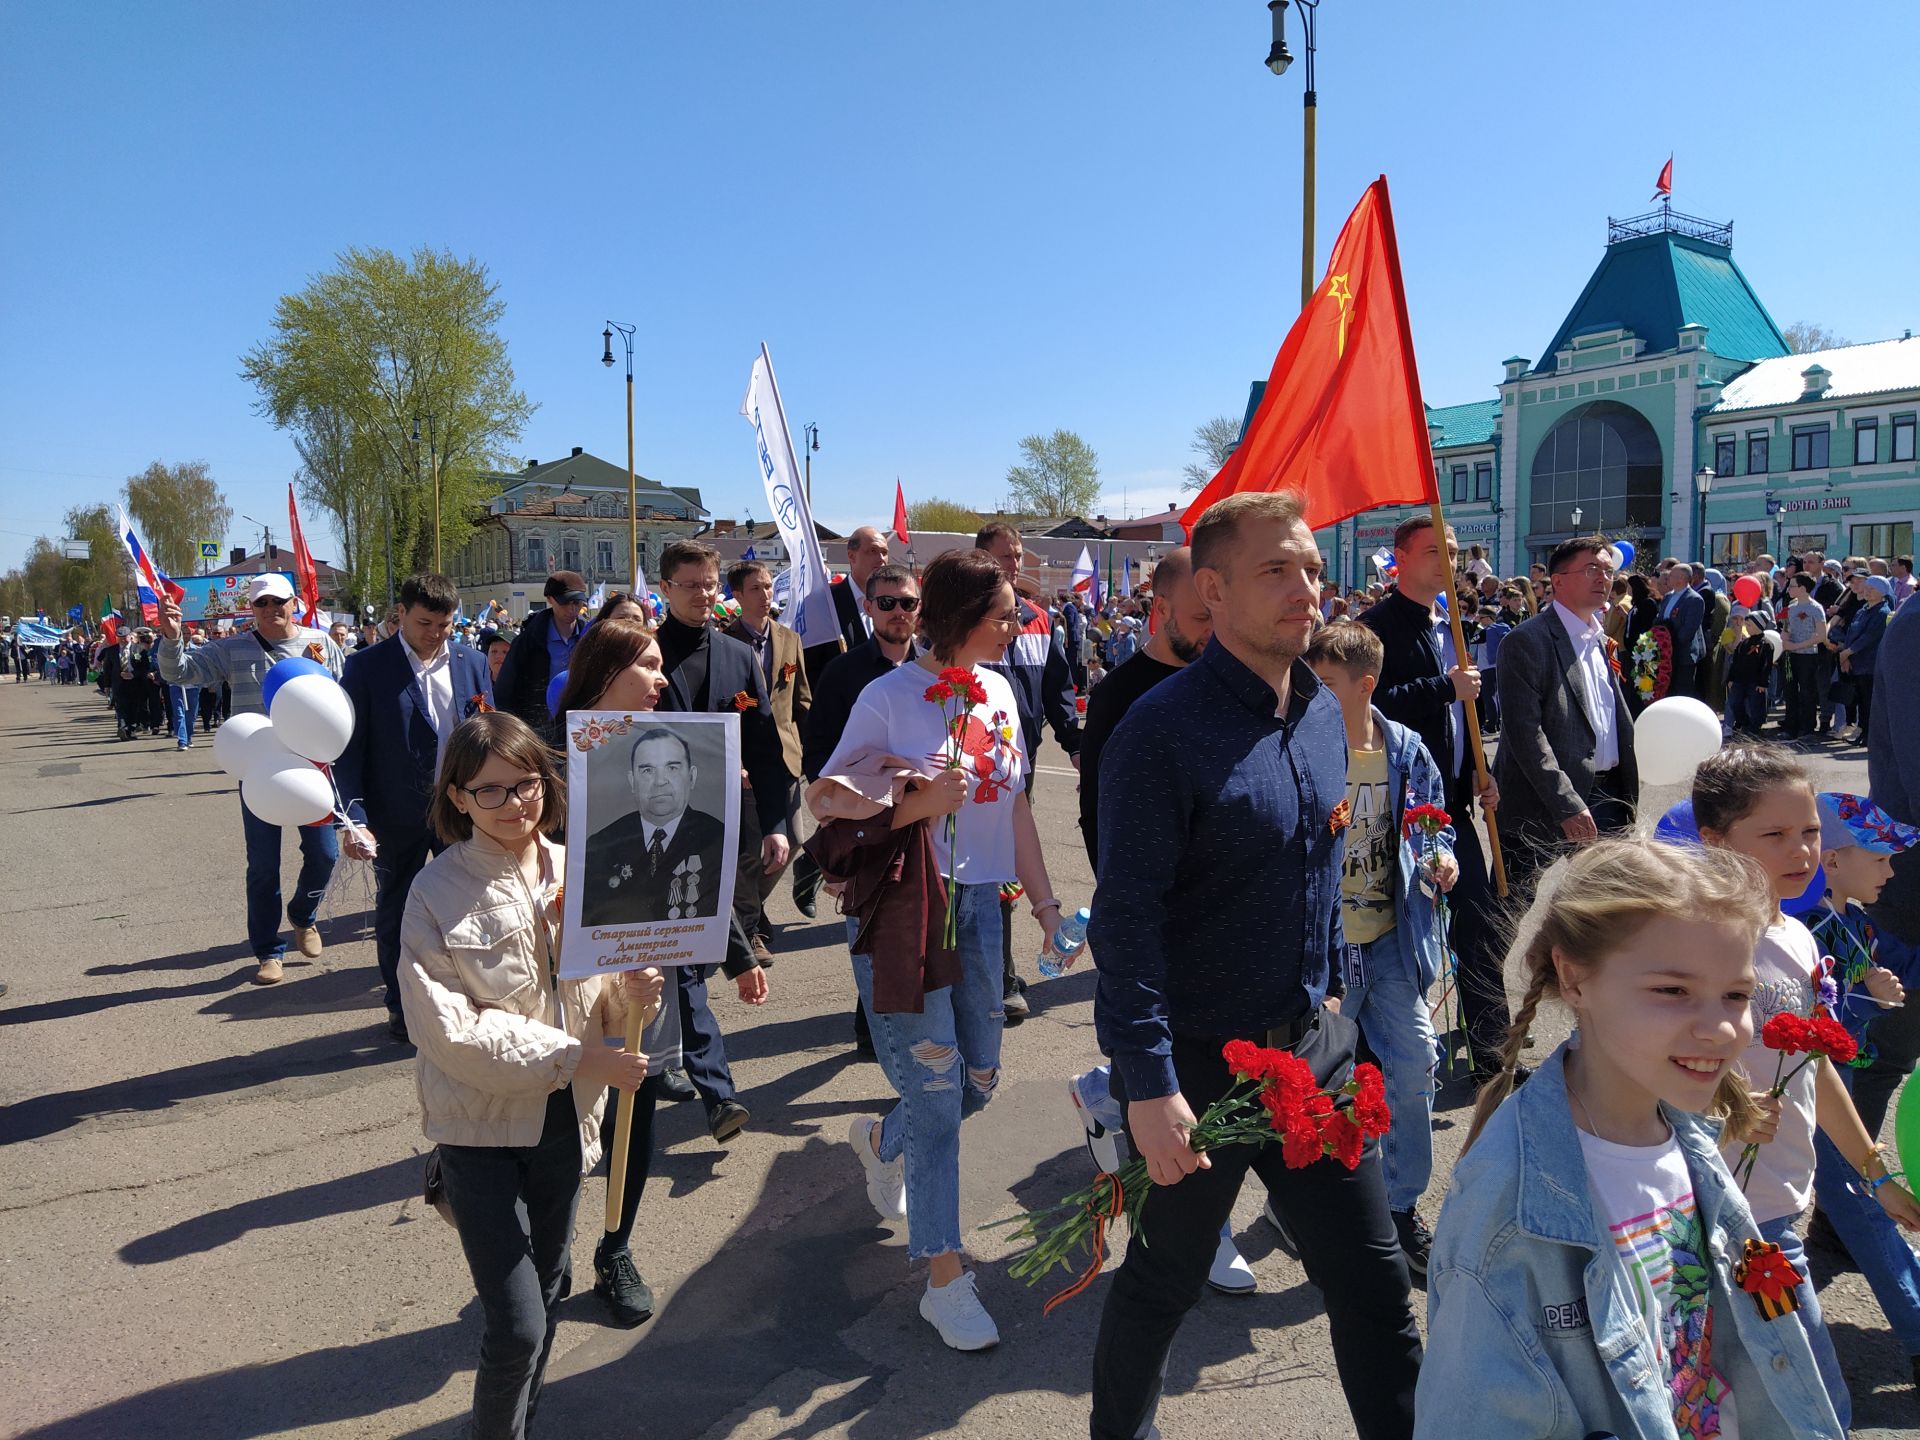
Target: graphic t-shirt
{"type": "Point", "coordinates": [894, 717]}
{"type": "Point", "coordinates": [1803, 618]}
{"type": "Point", "coordinates": [1644, 1196]}
{"type": "Point", "coordinates": [1366, 878]}
{"type": "Point", "coordinates": [1783, 966]}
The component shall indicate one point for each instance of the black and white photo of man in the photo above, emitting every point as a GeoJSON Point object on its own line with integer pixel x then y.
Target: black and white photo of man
{"type": "Point", "coordinates": [662, 860]}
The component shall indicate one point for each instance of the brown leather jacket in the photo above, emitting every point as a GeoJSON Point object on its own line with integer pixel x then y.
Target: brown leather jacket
{"type": "Point", "coordinates": [890, 883]}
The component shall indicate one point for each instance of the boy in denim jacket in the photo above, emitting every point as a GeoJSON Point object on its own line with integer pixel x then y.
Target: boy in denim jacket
{"type": "Point", "coordinates": [1392, 877]}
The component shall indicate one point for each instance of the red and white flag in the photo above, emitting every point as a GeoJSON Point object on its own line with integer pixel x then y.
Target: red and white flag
{"type": "Point", "coordinates": [1663, 187]}
{"type": "Point", "coordinates": [900, 515]}
{"type": "Point", "coordinates": [304, 570]}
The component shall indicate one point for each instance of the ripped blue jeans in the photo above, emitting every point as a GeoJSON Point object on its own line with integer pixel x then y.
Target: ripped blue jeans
{"type": "Point", "coordinates": [944, 1063]}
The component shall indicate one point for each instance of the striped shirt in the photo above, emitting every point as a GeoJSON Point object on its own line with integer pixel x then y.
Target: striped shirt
{"type": "Point", "coordinates": [242, 663]}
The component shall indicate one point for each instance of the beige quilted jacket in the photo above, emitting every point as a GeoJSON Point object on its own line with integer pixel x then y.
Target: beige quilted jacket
{"type": "Point", "coordinates": [494, 1037]}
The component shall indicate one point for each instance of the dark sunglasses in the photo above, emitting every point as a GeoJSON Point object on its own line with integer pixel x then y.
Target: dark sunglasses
{"type": "Point", "coordinates": [271, 600]}
{"type": "Point", "coordinates": [908, 603]}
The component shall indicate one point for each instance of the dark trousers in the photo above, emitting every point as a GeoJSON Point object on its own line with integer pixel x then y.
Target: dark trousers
{"type": "Point", "coordinates": [514, 1207]}
{"type": "Point", "coordinates": [1803, 692]}
{"type": "Point", "coordinates": [398, 857]}
{"type": "Point", "coordinates": [318, 852]}
{"type": "Point", "coordinates": [1473, 933]}
{"type": "Point", "coordinates": [1685, 675]}
{"type": "Point", "coordinates": [704, 1052]}
{"type": "Point", "coordinates": [645, 1101]}
{"type": "Point", "coordinates": [1530, 850]}
{"type": "Point", "coordinates": [1347, 1241]}
{"type": "Point", "coordinates": [1863, 687]}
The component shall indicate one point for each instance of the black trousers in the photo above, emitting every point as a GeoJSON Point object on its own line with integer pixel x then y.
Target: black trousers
{"type": "Point", "coordinates": [514, 1208]}
{"type": "Point", "coordinates": [1529, 850]}
{"type": "Point", "coordinates": [1473, 933]}
{"type": "Point", "coordinates": [397, 859]}
{"type": "Point", "coordinates": [645, 1101]}
{"type": "Point", "coordinates": [1803, 676]}
{"type": "Point", "coordinates": [1347, 1242]}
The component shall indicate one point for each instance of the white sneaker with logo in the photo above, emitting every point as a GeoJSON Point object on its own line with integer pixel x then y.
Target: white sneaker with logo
{"type": "Point", "coordinates": [1103, 1142]}
{"type": "Point", "coordinates": [1230, 1274]}
{"type": "Point", "coordinates": [886, 1180]}
{"type": "Point", "coordinates": [956, 1312]}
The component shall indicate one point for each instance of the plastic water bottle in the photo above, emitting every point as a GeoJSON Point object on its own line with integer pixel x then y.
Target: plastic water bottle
{"type": "Point", "coordinates": [1058, 954]}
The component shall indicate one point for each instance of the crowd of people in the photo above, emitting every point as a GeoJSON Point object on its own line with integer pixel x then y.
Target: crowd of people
{"type": "Point", "coordinates": [1294, 841]}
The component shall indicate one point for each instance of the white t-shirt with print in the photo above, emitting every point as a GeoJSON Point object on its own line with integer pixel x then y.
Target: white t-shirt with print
{"type": "Point", "coordinates": [1783, 966]}
{"type": "Point", "coordinates": [1644, 1196]}
{"type": "Point", "coordinates": [894, 716]}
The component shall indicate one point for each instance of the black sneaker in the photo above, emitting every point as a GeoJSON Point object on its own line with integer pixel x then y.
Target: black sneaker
{"type": "Point", "coordinates": [1416, 1239]}
{"type": "Point", "coordinates": [1015, 1005]}
{"type": "Point", "coordinates": [619, 1283]}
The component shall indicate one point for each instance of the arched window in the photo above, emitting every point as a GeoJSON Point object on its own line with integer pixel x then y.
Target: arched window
{"type": "Point", "coordinates": [1602, 459]}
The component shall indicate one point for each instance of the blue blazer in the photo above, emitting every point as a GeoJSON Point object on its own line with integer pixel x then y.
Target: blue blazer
{"type": "Point", "coordinates": [386, 773]}
{"type": "Point", "coordinates": [1689, 615]}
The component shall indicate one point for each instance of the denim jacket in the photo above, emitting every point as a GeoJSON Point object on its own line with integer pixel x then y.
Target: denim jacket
{"type": "Point", "coordinates": [1535, 1331]}
{"type": "Point", "coordinates": [1413, 779]}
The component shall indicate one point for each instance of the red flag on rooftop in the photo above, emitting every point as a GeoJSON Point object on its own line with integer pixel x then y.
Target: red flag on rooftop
{"type": "Point", "coordinates": [1341, 421]}
{"type": "Point", "coordinates": [304, 570]}
{"type": "Point", "coordinates": [900, 515]}
{"type": "Point", "coordinates": [1663, 187]}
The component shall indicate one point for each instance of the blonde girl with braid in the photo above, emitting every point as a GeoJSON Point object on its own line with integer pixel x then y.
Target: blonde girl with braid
{"type": "Point", "coordinates": [1582, 1272]}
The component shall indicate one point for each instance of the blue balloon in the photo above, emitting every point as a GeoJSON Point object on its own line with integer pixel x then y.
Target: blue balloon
{"type": "Point", "coordinates": [1441, 601]}
{"type": "Point", "coordinates": [1678, 827]}
{"type": "Point", "coordinates": [285, 669]}
{"type": "Point", "coordinates": [554, 687]}
{"type": "Point", "coordinates": [1626, 553]}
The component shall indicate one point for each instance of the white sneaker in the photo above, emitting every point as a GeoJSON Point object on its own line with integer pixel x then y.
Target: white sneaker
{"type": "Point", "coordinates": [1230, 1274]}
{"type": "Point", "coordinates": [956, 1312]}
{"type": "Point", "coordinates": [886, 1180]}
{"type": "Point", "coordinates": [1102, 1143]}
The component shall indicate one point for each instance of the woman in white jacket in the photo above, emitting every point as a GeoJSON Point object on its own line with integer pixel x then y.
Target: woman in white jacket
{"type": "Point", "coordinates": [513, 1064]}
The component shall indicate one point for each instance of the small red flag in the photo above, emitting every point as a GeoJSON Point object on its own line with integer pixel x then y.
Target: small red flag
{"type": "Point", "coordinates": [900, 514]}
{"type": "Point", "coordinates": [1341, 421]}
{"type": "Point", "coordinates": [304, 570]}
{"type": "Point", "coordinates": [1663, 187]}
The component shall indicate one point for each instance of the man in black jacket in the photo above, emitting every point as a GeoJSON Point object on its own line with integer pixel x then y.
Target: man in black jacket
{"type": "Point", "coordinates": [1427, 688]}
{"type": "Point", "coordinates": [542, 651]}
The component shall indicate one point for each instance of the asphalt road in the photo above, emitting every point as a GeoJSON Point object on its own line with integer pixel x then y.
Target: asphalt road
{"type": "Point", "coordinates": [212, 1225]}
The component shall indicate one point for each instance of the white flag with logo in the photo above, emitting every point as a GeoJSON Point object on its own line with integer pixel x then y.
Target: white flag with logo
{"type": "Point", "coordinates": [811, 613]}
{"type": "Point", "coordinates": [1083, 575]}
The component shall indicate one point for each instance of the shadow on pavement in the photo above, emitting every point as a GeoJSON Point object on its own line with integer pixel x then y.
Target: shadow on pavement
{"type": "Point", "coordinates": [384, 1185]}
{"type": "Point", "coordinates": [75, 1005]}
{"type": "Point", "coordinates": [185, 960]}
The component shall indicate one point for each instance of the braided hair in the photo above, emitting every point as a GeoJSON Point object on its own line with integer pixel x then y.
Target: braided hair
{"type": "Point", "coordinates": [1609, 891]}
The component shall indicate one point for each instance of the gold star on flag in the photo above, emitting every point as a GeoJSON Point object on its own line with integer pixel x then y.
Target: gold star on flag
{"type": "Point", "coordinates": [1339, 291]}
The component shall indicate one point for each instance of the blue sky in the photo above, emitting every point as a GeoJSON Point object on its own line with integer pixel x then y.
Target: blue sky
{"type": "Point", "coordinates": [953, 224]}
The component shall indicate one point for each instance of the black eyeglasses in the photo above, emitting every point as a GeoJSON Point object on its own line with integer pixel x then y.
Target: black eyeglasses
{"type": "Point", "coordinates": [492, 797]}
{"type": "Point", "coordinates": [908, 603]}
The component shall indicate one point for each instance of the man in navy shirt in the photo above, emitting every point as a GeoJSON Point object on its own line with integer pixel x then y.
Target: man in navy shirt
{"type": "Point", "coordinates": [1218, 917]}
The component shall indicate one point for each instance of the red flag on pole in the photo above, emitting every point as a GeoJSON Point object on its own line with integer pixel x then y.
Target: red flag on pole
{"type": "Point", "coordinates": [900, 514]}
{"type": "Point", "coordinates": [1663, 187]}
{"type": "Point", "coordinates": [1341, 421]}
{"type": "Point", "coordinates": [304, 570]}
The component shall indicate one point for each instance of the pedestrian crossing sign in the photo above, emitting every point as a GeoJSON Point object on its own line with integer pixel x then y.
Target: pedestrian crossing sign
{"type": "Point", "coordinates": [209, 549]}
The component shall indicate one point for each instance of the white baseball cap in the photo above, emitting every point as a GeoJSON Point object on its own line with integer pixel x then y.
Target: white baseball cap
{"type": "Point", "coordinates": [268, 587]}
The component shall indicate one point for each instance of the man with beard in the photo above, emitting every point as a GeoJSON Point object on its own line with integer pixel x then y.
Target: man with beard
{"type": "Point", "coordinates": [1218, 918]}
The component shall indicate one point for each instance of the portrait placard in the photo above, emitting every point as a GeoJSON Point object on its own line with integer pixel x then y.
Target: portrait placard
{"type": "Point", "coordinates": [653, 832]}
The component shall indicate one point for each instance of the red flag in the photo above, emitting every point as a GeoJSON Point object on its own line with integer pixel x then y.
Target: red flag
{"type": "Point", "coordinates": [900, 515]}
{"type": "Point", "coordinates": [1341, 420]}
{"type": "Point", "coordinates": [1663, 187]}
{"type": "Point", "coordinates": [304, 570]}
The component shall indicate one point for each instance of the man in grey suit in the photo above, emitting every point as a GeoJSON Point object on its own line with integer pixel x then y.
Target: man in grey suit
{"type": "Point", "coordinates": [1566, 768]}
{"type": "Point", "coordinates": [1685, 613]}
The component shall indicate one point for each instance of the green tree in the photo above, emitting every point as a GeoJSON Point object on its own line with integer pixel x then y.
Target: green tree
{"type": "Point", "coordinates": [375, 345]}
{"type": "Point", "coordinates": [1804, 335]}
{"type": "Point", "coordinates": [1213, 442]}
{"type": "Point", "coordinates": [1060, 476]}
{"type": "Point", "coordinates": [106, 570]}
{"type": "Point", "coordinates": [16, 597]}
{"type": "Point", "coordinates": [176, 507]}
{"type": "Point", "coordinates": [935, 516]}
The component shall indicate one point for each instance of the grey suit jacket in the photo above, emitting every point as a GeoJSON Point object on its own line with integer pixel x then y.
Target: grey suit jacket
{"type": "Point", "coordinates": [1545, 767]}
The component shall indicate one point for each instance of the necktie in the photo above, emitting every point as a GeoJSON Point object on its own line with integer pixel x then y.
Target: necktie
{"type": "Point", "coordinates": [656, 852]}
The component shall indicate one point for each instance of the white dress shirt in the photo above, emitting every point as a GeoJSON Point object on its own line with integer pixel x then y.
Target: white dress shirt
{"type": "Point", "coordinates": [1457, 725]}
{"type": "Point", "coordinates": [860, 602]}
{"type": "Point", "coordinates": [1589, 639]}
{"type": "Point", "coordinates": [434, 676]}
{"type": "Point", "coordinates": [666, 833]}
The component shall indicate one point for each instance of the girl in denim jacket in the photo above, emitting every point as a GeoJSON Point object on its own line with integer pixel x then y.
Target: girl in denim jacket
{"type": "Point", "coordinates": [1582, 1278]}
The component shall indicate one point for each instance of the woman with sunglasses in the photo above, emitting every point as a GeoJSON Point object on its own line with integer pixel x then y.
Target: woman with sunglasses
{"type": "Point", "coordinates": [942, 1055]}
{"type": "Point", "coordinates": [513, 1061]}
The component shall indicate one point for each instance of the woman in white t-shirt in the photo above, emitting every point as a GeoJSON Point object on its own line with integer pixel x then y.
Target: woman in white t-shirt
{"type": "Point", "coordinates": [944, 1060]}
{"type": "Point", "coordinates": [1759, 801]}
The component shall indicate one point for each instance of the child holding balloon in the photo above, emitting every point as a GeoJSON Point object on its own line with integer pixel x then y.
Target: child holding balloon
{"type": "Point", "coordinates": [1759, 801]}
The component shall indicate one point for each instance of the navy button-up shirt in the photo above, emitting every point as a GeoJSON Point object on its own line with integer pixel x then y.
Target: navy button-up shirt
{"type": "Point", "coordinates": [1218, 911]}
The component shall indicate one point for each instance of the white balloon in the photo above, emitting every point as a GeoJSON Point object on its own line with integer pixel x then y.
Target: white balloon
{"type": "Point", "coordinates": [287, 791]}
{"type": "Point", "coordinates": [313, 717]}
{"type": "Point", "coordinates": [231, 742]}
{"type": "Point", "coordinates": [1671, 737]}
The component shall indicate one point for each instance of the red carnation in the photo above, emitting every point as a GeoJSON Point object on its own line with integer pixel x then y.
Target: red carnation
{"type": "Point", "coordinates": [1430, 819]}
{"type": "Point", "coordinates": [1370, 1101]}
{"type": "Point", "coordinates": [1831, 1039]}
{"type": "Point", "coordinates": [1344, 1140]}
{"type": "Point", "coordinates": [1789, 1032]}
{"type": "Point", "coordinates": [1243, 1059]}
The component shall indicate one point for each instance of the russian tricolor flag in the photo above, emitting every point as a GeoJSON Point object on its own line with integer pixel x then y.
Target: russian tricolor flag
{"type": "Point", "coordinates": [149, 577]}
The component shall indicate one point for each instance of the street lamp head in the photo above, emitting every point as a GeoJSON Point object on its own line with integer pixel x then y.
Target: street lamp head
{"type": "Point", "coordinates": [416, 430]}
{"type": "Point", "coordinates": [606, 354]}
{"type": "Point", "coordinates": [1703, 478]}
{"type": "Point", "coordinates": [1279, 57]}
{"type": "Point", "coordinates": [1577, 512]}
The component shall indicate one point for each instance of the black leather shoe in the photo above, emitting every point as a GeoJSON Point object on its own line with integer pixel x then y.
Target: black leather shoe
{"type": "Point", "coordinates": [617, 1281]}
{"type": "Point", "coordinates": [806, 901]}
{"type": "Point", "coordinates": [726, 1120]}
{"type": "Point", "coordinates": [397, 1027]}
{"type": "Point", "coordinates": [674, 1085]}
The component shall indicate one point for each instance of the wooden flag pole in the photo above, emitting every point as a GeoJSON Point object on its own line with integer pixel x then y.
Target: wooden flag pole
{"type": "Point", "coordinates": [638, 1018]}
{"type": "Point", "coordinates": [1461, 657]}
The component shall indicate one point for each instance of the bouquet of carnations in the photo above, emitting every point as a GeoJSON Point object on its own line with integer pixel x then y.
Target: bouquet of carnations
{"type": "Point", "coordinates": [1274, 1099]}
{"type": "Point", "coordinates": [956, 692]}
{"type": "Point", "coordinates": [1810, 1036]}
